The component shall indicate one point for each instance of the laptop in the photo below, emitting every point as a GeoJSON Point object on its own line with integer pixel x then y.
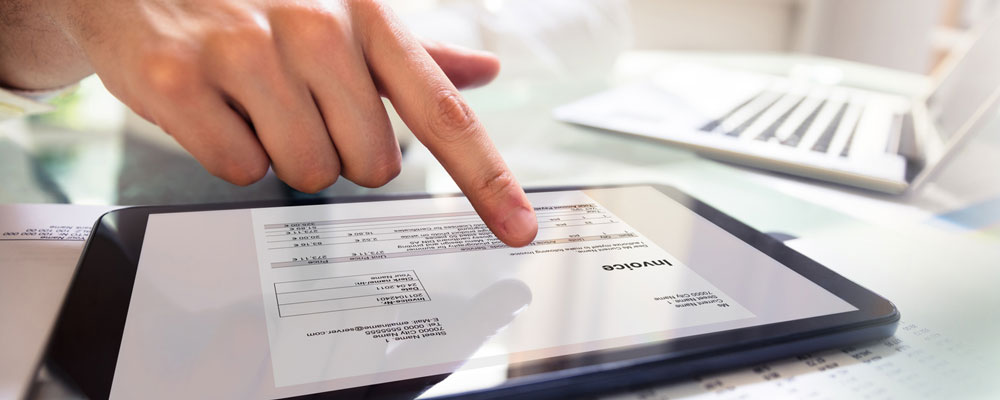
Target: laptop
{"type": "Point", "coordinates": [862, 138]}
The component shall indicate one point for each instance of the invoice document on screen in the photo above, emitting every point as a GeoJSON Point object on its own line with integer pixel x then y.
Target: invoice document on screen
{"type": "Point", "coordinates": [423, 284]}
{"type": "Point", "coordinates": [309, 299]}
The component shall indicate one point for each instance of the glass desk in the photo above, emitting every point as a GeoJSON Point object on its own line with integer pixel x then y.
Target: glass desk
{"type": "Point", "coordinates": [935, 252]}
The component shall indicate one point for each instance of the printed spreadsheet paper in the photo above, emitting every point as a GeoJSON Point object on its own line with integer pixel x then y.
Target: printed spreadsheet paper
{"type": "Point", "coordinates": [39, 248]}
{"type": "Point", "coordinates": [916, 363]}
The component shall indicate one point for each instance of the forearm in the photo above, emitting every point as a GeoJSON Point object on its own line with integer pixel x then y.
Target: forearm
{"type": "Point", "coordinates": [35, 50]}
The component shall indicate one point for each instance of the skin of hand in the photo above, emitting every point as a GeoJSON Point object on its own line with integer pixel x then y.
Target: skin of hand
{"type": "Point", "coordinates": [244, 85]}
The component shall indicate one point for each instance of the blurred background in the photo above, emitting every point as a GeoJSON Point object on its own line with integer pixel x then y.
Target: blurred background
{"type": "Point", "coordinates": [911, 35]}
{"type": "Point", "coordinates": [93, 150]}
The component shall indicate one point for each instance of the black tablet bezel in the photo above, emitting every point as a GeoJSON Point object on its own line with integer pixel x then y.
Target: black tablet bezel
{"type": "Point", "coordinates": [85, 343]}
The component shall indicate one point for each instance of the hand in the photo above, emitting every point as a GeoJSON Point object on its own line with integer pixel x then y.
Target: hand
{"type": "Point", "coordinates": [295, 85]}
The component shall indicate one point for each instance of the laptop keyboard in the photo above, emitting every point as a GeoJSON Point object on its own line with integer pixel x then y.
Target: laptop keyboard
{"type": "Point", "coordinates": [818, 120]}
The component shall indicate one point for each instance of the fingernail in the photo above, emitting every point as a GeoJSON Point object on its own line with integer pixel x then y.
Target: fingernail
{"type": "Point", "coordinates": [520, 226]}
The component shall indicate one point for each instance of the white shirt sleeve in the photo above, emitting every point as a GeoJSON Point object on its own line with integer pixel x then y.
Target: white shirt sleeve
{"type": "Point", "coordinates": [15, 104]}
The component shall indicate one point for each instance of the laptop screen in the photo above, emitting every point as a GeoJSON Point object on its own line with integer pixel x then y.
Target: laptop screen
{"type": "Point", "coordinates": [968, 85]}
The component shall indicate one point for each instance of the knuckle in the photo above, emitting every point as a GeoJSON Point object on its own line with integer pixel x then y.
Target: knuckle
{"type": "Point", "coordinates": [169, 73]}
{"type": "Point", "coordinates": [314, 27]}
{"type": "Point", "coordinates": [241, 46]}
{"type": "Point", "coordinates": [380, 173]}
{"type": "Point", "coordinates": [365, 5]}
{"type": "Point", "coordinates": [496, 183]}
{"type": "Point", "coordinates": [450, 119]}
{"type": "Point", "coordinates": [242, 173]}
{"type": "Point", "coordinates": [312, 180]}
{"type": "Point", "coordinates": [371, 15]}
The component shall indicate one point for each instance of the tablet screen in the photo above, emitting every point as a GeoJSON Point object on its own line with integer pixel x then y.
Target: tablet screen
{"type": "Point", "coordinates": [286, 301]}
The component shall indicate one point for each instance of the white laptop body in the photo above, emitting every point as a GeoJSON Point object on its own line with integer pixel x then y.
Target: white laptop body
{"type": "Point", "coordinates": [861, 138]}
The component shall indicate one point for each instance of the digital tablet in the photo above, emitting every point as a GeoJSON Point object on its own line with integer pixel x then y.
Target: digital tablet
{"type": "Point", "coordinates": [403, 297]}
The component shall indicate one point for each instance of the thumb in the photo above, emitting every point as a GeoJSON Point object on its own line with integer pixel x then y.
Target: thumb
{"type": "Point", "coordinates": [466, 68]}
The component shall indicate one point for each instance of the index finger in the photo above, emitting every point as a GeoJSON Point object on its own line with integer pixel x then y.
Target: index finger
{"type": "Point", "coordinates": [438, 116]}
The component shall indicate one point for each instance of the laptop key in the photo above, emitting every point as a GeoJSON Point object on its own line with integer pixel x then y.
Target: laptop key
{"type": "Point", "coordinates": [800, 131]}
{"type": "Point", "coordinates": [822, 143]}
{"type": "Point", "coordinates": [712, 125]}
{"type": "Point", "coordinates": [773, 115]}
{"type": "Point", "coordinates": [818, 127]}
{"type": "Point", "coordinates": [846, 128]}
{"type": "Point", "coordinates": [873, 130]}
{"type": "Point", "coordinates": [745, 116]}
{"type": "Point", "coordinates": [799, 120]}
{"type": "Point", "coordinates": [769, 133]}
{"type": "Point", "coordinates": [847, 147]}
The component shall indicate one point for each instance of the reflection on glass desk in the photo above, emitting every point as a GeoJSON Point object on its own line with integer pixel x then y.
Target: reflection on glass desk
{"type": "Point", "coordinates": [65, 166]}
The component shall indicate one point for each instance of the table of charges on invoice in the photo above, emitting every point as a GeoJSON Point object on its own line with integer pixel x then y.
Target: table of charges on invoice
{"type": "Point", "coordinates": [359, 239]}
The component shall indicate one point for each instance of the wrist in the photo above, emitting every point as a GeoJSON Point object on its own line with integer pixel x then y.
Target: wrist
{"type": "Point", "coordinates": [38, 52]}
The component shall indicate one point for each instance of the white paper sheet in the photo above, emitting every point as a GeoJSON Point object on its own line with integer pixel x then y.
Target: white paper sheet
{"type": "Point", "coordinates": [39, 248]}
{"type": "Point", "coordinates": [916, 363]}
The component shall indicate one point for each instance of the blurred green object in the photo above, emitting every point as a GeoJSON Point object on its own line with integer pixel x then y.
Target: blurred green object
{"type": "Point", "coordinates": [68, 109]}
